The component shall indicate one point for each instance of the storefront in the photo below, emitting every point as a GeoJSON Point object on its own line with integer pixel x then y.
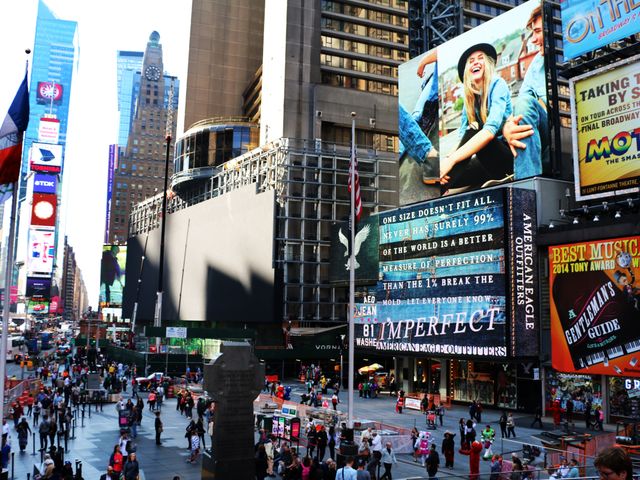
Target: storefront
{"type": "Point", "coordinates": [511, 386]}
{"type": "Point", "coordinates": [624, 399]}
{"type": "Point", "coordinates": [579, 388]}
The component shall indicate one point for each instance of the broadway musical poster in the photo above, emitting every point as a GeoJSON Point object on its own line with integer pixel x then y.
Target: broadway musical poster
{"type": "Point", "coordinates": [595, 306]}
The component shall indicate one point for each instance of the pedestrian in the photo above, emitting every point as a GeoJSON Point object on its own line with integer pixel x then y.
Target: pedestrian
{"type": "Point", "coordinates": [36, 413]}
{"type": "Point", "coordinates": [158, 428]}
{"type": "Point", "coordinates": [511, 426]}
{"type": "Point", "coordinates": [569, 410]}
{"type": "Point", "coordinates": [23, 434]}
{"type": "Point", "coordinates": [110, 475]}
{"type": "Point", "coordinates": [131, 468]}
{"type": "Point", "coordinates": [261, 461]}
{"type": "Point", "coordinates": [132, 421]}
{"type": "Point", "coordinates": [415, 434]}
{"type": "Point", "coordinates": [195, 447]}
{"type": "Point", "coordinates": [440, 413]}
{"type": "Point", "coordinates": [573, 469]}
{"type": "Point", "coordinates": [347, 472]}
{"type": "Point", "coordinates": [332, 442]}
{"type": "Point", "coordinates": [388, 460]}
{"type": "Point", "coordinates": [496, 467]}
{"type": "Point", "coordinates": [461, 428]}
{"type": "Point", "coordinates": [478, 411]}
{"type": "Point", "coordinates": [614, 464]}
{"type": "Point", "coordinates": [116, 461]}
{"type": "Point", "coordinates": [487, 435]}
{"type": "Point", "coordinates": [201, 431]}
{"type": "Point", "coordinates": [516, 469]}
{"type": "Point", "coordinates": [312, 441]}
{"type": "Point", "coordinates": [538, 417]}
{"type": "Point", "coordinates": [599, 414]}
{"type": "Point", "coordinates": [53, 429]}
{"type": "Point", "coordinates": [472, 410]}
{"type": "Point", "coordinates": [151, 400]}
{"type": "Point", "coordinates": [433, 462]}
{"type": "Point", "coordinates": [399, 404]}
{"type": "Point", "coordinates": [503, 424]}
{"type": "Point", "coordinates": [362, 473]}
{"type": "Point", "coordinates": [448, 448]}
{"type": "Point", "coordinates": [323, 440]}
{"type": "Point", "coordinates": [587, 413]}
{"type": "Point", "coordinates": [334, 402]}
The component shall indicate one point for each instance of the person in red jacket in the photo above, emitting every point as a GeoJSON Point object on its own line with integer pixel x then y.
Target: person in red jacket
{"type": "Point", "coordinates": [474, 461]}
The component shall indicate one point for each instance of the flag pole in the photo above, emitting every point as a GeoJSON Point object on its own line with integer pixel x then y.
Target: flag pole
{"type": "Point", "coordinates": [6, 304]}
{"type": "Point", "coordinates": [352, 272]}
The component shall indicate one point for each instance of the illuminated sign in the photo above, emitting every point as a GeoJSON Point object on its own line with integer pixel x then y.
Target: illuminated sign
{"type": "Point", "coordinates": [45, 157]}
{"type": "Point", "coordinates": [48, 92]}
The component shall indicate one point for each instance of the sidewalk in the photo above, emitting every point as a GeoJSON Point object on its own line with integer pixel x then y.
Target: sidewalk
{"type": "Point", "coordinates": [94, 444]}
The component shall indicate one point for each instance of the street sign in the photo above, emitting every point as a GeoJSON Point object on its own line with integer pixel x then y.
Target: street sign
{"type": "Point", "coordinates": [176, 332]}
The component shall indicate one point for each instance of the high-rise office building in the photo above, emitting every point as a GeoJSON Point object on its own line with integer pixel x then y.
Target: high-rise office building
{"type": "Point", "coordinates": [139, 172]}
{"type": "Point", "coordinates": [128, 64]}
{"type": "Point", "coordinates": [53, 66]}
{"type": "Point", "coordinates": [299, 71]}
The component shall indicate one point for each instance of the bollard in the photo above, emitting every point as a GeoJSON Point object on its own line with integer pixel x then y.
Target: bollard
{"type": "Point", "coordinates": [13, 454]}
{"type": "Point", "coordinates": [89, 410]}
{"type": "Point", "coordinates": [28, 476]}
{"type": "Point", "coordinates": [66, 441]}
{"type": "Point", "coordinates": [34, 443]}
{"type": "Point", "coordinates": [82, 419]}
{"type": "Point", "coordinates": [73, 429]}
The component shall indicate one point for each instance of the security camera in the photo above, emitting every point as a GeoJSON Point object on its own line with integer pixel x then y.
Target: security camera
{"type": "Point", "coordinates": [319, 113]}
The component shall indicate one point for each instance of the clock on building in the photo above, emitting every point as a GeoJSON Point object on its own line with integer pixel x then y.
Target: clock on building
{"type": "Point", "coordinates": [152, 73]}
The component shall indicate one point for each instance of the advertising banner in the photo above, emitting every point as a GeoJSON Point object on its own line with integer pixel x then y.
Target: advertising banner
{"type": "Point", "coordinates": [441, 108]}
{"type": "Point", "coordinates": [45, 157]}
{"type": "Point", "coordinates": [48, 92]}
{"type": "Point", "coordinates": [366, 251]}
{"type": "Point", "coordinates": [444, 278]}
{"type": "Point", "coordinates": [41, 252]}
{"type": "Point", "coordinates": [49, 130]}
{"type": "Point", "coordinates": [38, 288]}
{"type": "Point", "coordinates": [595, 307]}
{"type": "Point", "coordinates": [43, 183]}
{"type": "Point", "coordinates": [112, 275]}
{"type": "Point", "coordinates": [113, 159]}
{"type": "Point", "coordinates": [606, 138]}
{"type": "Point", "coordinates": [591, 24]}
{"type": "Point", "coordinates": [43, 210]}
{"type": "Point", "coordinates": [37, 307]}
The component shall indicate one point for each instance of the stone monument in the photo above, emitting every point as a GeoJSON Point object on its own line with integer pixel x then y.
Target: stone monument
{"type": "Point", "coordinates": [233, 379]}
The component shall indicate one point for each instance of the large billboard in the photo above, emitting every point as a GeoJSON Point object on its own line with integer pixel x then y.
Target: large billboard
{"type": "Point", "coordinates": [461, 104]}
{"type": "Point", "coordinates": [49, 130]}
{"type": "Point", "coordinates": [458, 276]}
{"type": "Point", "coordinates": [606, 138]}
{"type": "Point", "coordinates": [37, 307]}
{"type": "Point", "coordinates": [113, 161]}
{"type": "Point", "coordinates": [38, 288]}
{"type": "Point", "coordinates": [41, 252]}
{"type": "Point", "coordinates": [112, 275]}
{"type": "Point", "coordinates": [45, 157]}
{"type": "Point", "coordinates": [43, 183]}
{"type": "Point", "coordinates": [591, 24]}
{"type": "Point", "coordinates": [366, 251]}
{"type": "Point", "coordinates": [43, 210]}
{"type": "Point", "coordinates": [49, 92]}
{"type": "Point", "coordinates": [595, 306]}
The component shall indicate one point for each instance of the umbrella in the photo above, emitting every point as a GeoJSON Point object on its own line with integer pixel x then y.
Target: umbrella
{"type": "Point", "coordinates": [370, 368]}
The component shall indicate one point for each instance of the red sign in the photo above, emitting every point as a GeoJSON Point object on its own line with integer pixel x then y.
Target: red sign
{"type": "Point", "coordinates": [43, 210]}
{"type": "Point", "coordinates": [48, 92]}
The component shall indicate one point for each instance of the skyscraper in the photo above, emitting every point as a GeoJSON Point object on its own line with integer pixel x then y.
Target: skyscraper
{"type": "Point", "coordinates": [128, 65]}
{"type": "Point", "coordinates": [53, 65]}
{"type": "Point", "coordinates": [139, 172]}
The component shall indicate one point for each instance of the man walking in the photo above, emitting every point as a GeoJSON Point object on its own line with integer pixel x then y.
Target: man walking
{"type": "Point", "coordinates": [158, 427]}
{"type": "Point", "coordinates": [433, 462]}
{"type": "Point", "coordinates": [388, 460]}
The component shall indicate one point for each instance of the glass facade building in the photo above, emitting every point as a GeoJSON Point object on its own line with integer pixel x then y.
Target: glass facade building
{"type": "Point", "coordinates": [211, 143]}
{"type": "Point", "coordinates": [55, 60]}
{"type": "Point", "coordinates": [129, 66]}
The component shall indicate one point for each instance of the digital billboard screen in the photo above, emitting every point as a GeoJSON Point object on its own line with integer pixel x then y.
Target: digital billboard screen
{"type": "Point", "coordinates": [591, 24]}
{"type": "Point", "coordinates": [45, 157]}
{"type": "Point", "coordinates": [446, 285]}
{"type": "Point", "coordinates": [38, 288]}
{"type": "Point", "coordinates": [41, 252]}
{"type": "Point", "coordinates": [38, 307]}
{"type": "Point", "coordinates": [113, 161]}
{"type": "Point", "coordinates": [43, 210]}
{"type": "Point", "coordinates": [112, 275]}
{"type": "Point", "coordinates": [43, 183]}
{"type": "Point", "coordinates": [366, 251]}
{"type": "Point", "coordinates": [595, 306]}
{"type": "Point", "coordinates": [458, 102]}
{"type": "Point", "coordinates": [606, 139]}
{"type": "Point", "coordinates": [48, 92]}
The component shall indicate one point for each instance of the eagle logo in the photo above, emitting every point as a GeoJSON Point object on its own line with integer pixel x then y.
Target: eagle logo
{"type": "Point", "coordinates": [361, 236]}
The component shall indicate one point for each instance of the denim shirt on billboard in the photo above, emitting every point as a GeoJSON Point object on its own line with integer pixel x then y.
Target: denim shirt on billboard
{"type": "Point", "coordinates": [499, 106]}
{"type": "Point", "coordinates": [535, 82]}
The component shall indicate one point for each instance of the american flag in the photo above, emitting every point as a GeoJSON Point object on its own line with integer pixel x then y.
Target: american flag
{"type": "Point", "coordinates": [357, 201]}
